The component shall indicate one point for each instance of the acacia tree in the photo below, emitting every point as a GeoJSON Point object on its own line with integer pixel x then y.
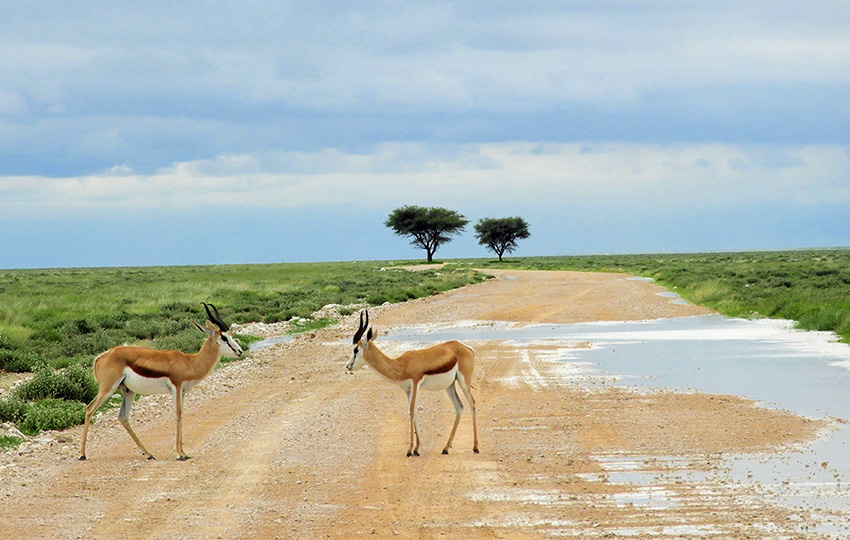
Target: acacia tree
{"type": "Point", "coordinates": [428, 228]}
{"type": "Point", "coordinates": [501, 234]}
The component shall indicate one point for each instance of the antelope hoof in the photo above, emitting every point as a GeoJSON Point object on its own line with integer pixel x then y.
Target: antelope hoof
{"type": "Point", "coordinates": [151, 458]}
{"type": "Point", "coordinates": [82, 458]}
{"type": "Point", "coordinates": [184, 458]}
{"type": "Point", "coordinates": [475, 450]}
{"type": "Point", "coordinates": [409, 454]}
{"type": "Point", "coordinates": [445, 452]}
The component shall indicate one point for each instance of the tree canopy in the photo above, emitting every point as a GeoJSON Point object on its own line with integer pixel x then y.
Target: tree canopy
{"type": "Point", "coordinates": [501, 234]}
{"type": "Point", "coordinates": [428, 228]}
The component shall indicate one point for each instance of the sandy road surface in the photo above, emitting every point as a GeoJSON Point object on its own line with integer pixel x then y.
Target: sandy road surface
{"type": "Point", "coordinates": [286, 445]}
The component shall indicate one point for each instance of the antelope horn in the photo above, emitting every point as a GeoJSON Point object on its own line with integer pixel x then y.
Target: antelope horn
{"type": "Point", "coordinates": [363, 326]}
{"type": "Point", "coordinates": [216, 318]}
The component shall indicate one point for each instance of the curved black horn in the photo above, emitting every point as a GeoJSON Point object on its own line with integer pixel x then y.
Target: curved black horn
{"type": "Point", "coordinates": [215, 318]}
{"type": "Point", "coordinates": [362, 328]}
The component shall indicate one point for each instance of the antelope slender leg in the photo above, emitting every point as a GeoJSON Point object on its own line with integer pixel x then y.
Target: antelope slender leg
{"type": "Point", "coordinates": [467, 391]}
{"type": "Point", "coordinates": [413, 447]}
{"type": "Point", "coordinates": [452, 392]}
{"type": "Point", "coordinates": [178, 411]}
{"type": "Point", "coordinates": [124, 418]}
{"type": "Point", "coordinates": [91, 408]}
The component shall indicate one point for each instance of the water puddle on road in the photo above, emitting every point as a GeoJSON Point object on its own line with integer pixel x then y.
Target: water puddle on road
{"type": "Point", "coordinates": [268, 342]}
{"type": "Point", "coordinates": [764, 360]}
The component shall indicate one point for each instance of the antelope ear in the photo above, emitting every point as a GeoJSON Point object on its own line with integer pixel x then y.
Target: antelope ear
{"type": "Point", "coordinates": [208, 331]}
{"type": "Point", "coordinates": [372, 334]}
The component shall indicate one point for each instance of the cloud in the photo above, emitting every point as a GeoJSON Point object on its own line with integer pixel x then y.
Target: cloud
{"type": "Point", "coordinates": [505, 175]}
{"type": "Point", "coordinates": [441, 56]}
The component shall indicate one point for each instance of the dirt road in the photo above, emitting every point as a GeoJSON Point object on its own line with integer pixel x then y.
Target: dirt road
{"type": "Point", "coordinates": [287, 445]}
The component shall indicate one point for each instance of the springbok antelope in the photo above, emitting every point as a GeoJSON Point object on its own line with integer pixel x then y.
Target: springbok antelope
{"type": "Point", "coordinates": [148, 371]}
{"type": "Point", "coordinates": [434, 368]}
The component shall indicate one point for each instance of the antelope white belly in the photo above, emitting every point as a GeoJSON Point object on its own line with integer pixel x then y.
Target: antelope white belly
{"type": "Point", "coordinates": [440, 381]}
{"type": "Point", "coordinates": [147, 385]}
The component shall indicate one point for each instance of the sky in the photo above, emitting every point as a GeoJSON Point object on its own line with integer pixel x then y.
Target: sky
{"type": "Point", "coordinates": [165, 133]}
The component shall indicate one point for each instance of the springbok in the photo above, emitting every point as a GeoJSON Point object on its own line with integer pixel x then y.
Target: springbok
{"type": "Point", "coordinates": [138, 370]}
{"type": "Point", "coordinates": [434, 368]}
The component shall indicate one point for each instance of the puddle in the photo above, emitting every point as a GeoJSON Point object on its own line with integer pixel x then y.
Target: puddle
{"type": "Point", "coordinates": [674, 298]}
{"type": "Point", "coordinates": [764, 360]}
{"type": "Point", "coordinates": [268, 342]}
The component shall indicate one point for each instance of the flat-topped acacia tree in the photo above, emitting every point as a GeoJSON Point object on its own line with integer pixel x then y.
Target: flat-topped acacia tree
{"type": "Point", "coordinates": [501, 234]}
{"type": "Point", "coordinates": [428, 228]}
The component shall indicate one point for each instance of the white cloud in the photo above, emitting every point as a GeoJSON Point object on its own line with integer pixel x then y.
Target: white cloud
{"type": "Point", "coordinates": [501, 175]}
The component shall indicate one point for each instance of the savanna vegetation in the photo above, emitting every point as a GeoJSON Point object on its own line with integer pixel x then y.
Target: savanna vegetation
{"type": "Point", "coordinates": [54, 322]}
{"type": "Point", "coordinates": [500, 235]}
{"type": "Point", "coordinates": [427, 228]}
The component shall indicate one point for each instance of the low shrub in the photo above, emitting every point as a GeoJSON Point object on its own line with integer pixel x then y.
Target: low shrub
{"type": "Point", "coordinates": [78, 326]}
{"type": "Point", "coordinates": [19, 361]}
{"type": "Point", "coordinates": [93, 343]}
{"type": "Point", "coordinates": [52, 413]}
{"type": "Point", "coordinates": [13, 410]}
{"type": "Point", "coordinates": [75, 382]}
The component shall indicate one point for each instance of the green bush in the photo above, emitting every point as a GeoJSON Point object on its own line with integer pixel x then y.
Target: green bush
{"type": "Point", "coordinates": [16, 358]}
{"type": "Point", "coordinates": [91, 344]}
{"type": "Point", "coordinates": [72, 383]}
{"type": "Point", "coordinates": [52, 413]}
{"type": "Point", "coordinates": [13, 410]}
{"type": "Point", "coordinates": [78, 326]}
{"type": "Point", "coordinates": [19, 361]}
{"type": "Point", "coordinates": [61, 362]}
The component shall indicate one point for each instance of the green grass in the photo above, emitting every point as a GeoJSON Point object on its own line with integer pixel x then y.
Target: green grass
{"type": "Point", "coordinates": [300, 326]}
{"type": "Point", "coordinates": [8, 441]}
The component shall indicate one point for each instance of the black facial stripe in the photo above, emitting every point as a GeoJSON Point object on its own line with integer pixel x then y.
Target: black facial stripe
{"type": "Point", "coordinates": [227, 342]}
